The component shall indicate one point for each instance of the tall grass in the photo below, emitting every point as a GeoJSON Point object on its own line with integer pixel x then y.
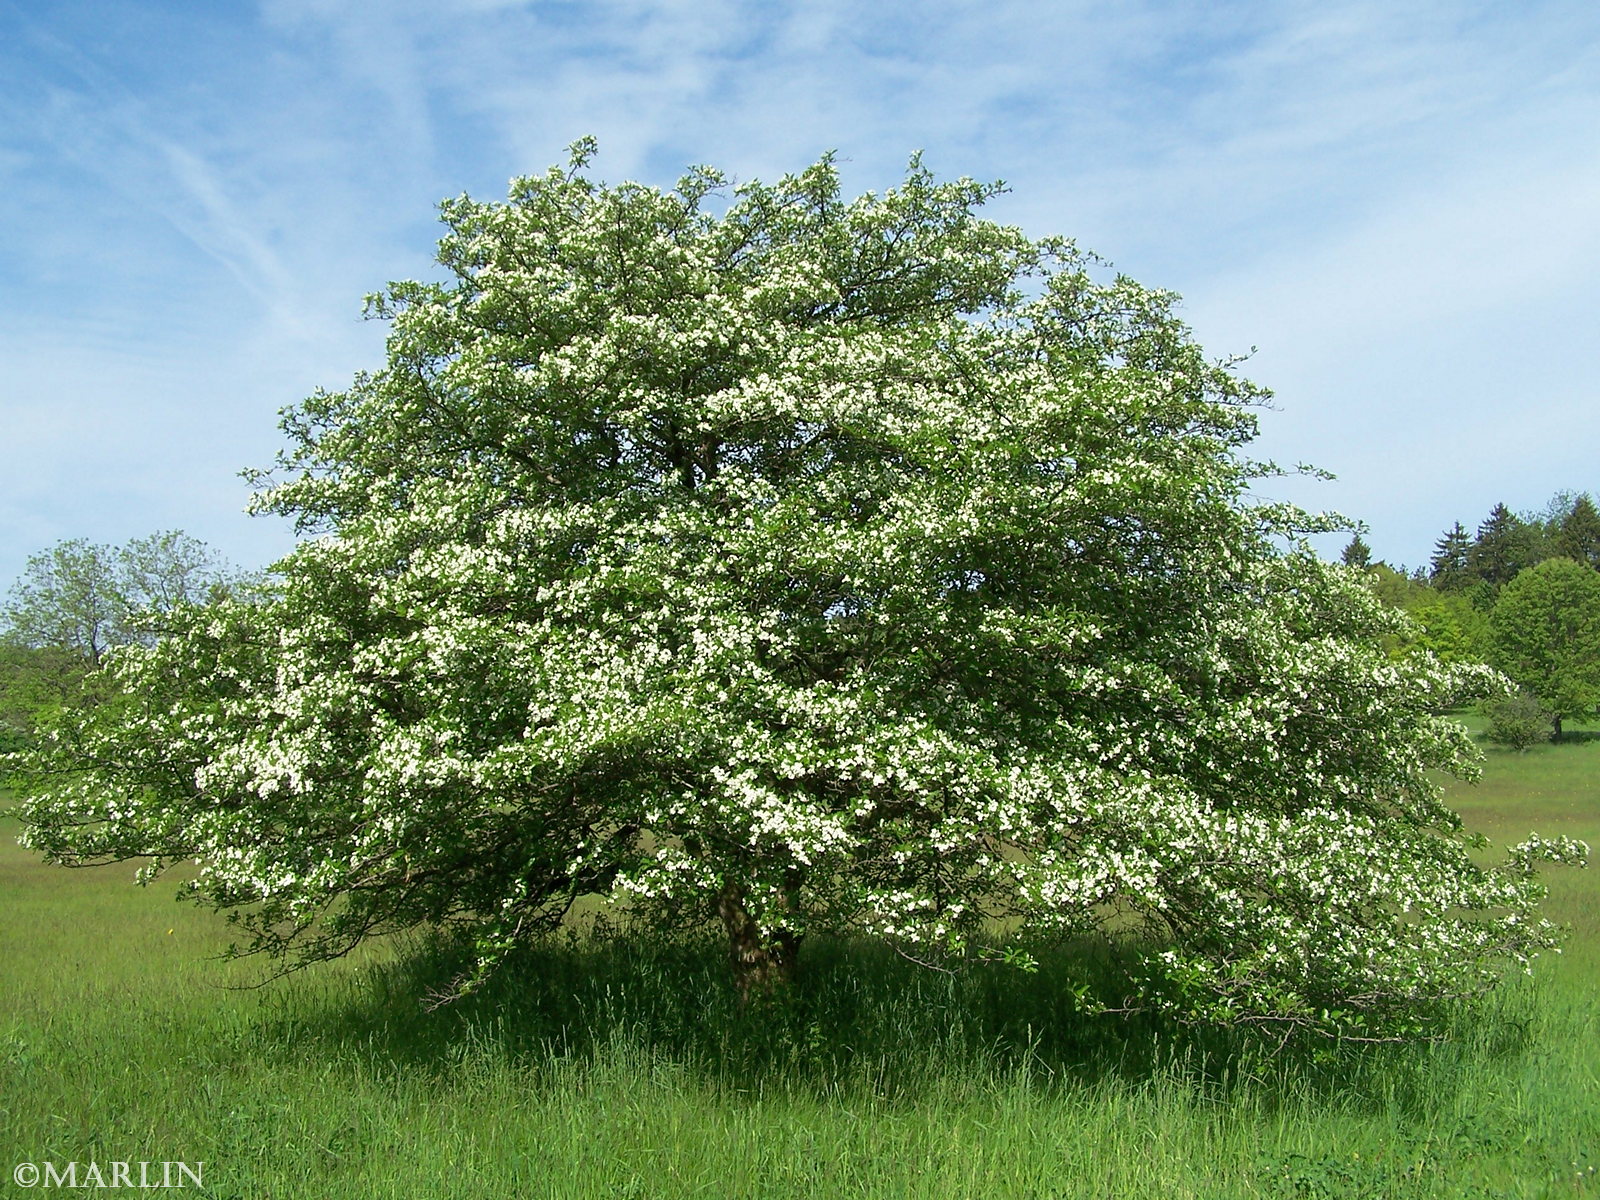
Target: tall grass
{"type": "Point", "coordinates": [604, 1066]}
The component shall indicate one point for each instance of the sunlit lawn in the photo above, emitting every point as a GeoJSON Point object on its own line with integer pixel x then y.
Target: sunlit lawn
{"type": "Point", "coordinates": [1549, 789]}
{"type": "Point", "coordinates": [609, 1069]}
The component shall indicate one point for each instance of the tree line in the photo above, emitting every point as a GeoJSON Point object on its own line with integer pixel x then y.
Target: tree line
{"type": "Point", "coordinates": [1523, 594]}
{"type": "Point", "coordinates": [76, 601]}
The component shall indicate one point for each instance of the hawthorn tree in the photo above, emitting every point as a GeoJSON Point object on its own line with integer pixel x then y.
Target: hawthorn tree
{"type": "Point", "coordinates": [804, 565]}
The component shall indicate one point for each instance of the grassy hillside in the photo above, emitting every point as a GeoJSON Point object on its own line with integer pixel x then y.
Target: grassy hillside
{"type": "Point", "coordinates": [598, 1068]}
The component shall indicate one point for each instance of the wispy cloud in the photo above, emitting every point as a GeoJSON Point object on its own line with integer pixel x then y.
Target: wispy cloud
{"type": "Point", "coordinates": [1390, 200]}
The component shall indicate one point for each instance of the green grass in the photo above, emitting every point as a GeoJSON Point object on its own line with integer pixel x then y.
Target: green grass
{"type": "Point", "coordinates": [1549, 789]}
{"type": "Point", "coordinates": [609, 1069]}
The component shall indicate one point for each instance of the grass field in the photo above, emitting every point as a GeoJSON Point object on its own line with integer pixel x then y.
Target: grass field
{"type": "Point", "coordinates": [611, 1070]}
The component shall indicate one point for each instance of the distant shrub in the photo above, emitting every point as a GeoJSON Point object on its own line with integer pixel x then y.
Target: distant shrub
{"type": "Point", "coordinates": [1518, 721]}
{"type": "Point", "coordinates": [12, 737]}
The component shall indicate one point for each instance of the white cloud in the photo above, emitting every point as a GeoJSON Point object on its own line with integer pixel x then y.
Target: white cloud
{"type": "Point", "coordinates": [1373, 193]}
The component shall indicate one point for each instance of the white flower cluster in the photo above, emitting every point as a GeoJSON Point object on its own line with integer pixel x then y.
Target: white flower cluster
{"type": "Point", "coordinates": [794, 559]}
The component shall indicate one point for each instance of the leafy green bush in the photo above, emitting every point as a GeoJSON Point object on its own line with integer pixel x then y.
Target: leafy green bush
{"type": "Point", "coordinates": [1518, 721]}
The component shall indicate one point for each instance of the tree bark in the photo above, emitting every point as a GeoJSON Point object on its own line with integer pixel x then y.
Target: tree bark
{"type": "Point", "coordinates": [763, 964]}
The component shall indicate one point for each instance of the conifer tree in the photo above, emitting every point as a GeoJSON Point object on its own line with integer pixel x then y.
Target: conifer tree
{"type": "Point", "coordinates": [1501, 548]}
{"type": "Point", "coordinates": [1578, 537]}
{"type": "Point", "coordinates": [1356, 553]}
{"type": "Point", "coordinates": [1448, 570]}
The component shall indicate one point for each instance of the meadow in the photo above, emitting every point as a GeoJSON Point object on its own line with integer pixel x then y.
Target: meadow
{"type": "Point", "coordinates": [599, 1067]}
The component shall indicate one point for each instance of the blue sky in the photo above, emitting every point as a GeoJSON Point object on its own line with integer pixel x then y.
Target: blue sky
{"type": "Point", "coordinates": [1397, 205]}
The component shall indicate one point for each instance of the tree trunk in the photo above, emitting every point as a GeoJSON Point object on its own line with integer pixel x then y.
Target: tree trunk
{"type": "Point", "coordinates": [762, 964]}
{"type": "Point", "coordinates": [1556, 737]}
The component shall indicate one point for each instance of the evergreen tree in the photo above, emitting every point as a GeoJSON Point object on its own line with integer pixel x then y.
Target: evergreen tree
{"type": "Point", "coordinates": [1357, 553]}
{"type": "Point", "coordinates": [1448, 569]}
{"type": "Point", "coordinates": [1501, 549]}
{"type": "Point", "coordinates": [1578, 537]}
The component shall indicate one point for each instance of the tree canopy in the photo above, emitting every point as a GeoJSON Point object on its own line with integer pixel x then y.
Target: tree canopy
{"type": "Point", "coordinates": [1577, 536]}
{"type": "Point", "coordinates": [78, 600]}
{"type": "Point", "coordinates": [1448, 569]}
{"type": "Point", "coordinates": [1545, 634]}
{"type": "Point", "coordinates": [1356, 552]}
{"type": "Point", "coordinates": [807, 565]}
{"type": "Point", "coordinates": [85, 598]}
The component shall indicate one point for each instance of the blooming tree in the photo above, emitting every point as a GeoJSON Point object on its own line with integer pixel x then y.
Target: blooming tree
{"type": "Point", "coordinates": [805, 565]}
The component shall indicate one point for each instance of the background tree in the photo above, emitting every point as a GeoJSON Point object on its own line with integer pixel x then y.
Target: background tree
{"type": "Point", "coordinates": [1578, 534]}
{"type": "Point", "coordinates": [1545, 634]}
{"type": "Point", "coordinates": [1356, 552]}
{"type": "Point", "coordinates": [1450, 625]}
{"type": "Point", "coordinates": [1448, 570]}
{"type": "Point", "coordinates": [1398, 590]}
{"type": "Point", "coordinates": [69, 597]}
{"type": "Point", "coordinates": [163, 572]}
{"type": "Point", "coordinates": [1503, 547]}
{"type": "Point", "coordinates": [86, 598]}
{"type": "Point", "coordinates": [1445, 623]}
{"type": "Point", "coordinates": [77, 600]}
{"type": "Point", "coordinates": [1518, 721]}
{"type": "Point", "coordinates": [822, 566]}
